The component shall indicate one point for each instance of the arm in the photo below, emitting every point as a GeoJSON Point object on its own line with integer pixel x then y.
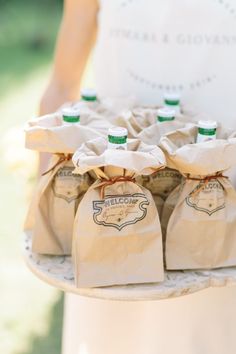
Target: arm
{"type": "Point", "coordinates": [75, 40]}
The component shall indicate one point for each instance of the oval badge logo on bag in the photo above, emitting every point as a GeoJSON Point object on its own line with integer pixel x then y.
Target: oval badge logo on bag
{"type": "Point", "coordinates": [68, 186]}
{"type": "Point", "coordinates": [120, 211]}
{"type": "Point", "coordinates": [162, 182]}
{"type": "Point", "coordinates": [208, 199]}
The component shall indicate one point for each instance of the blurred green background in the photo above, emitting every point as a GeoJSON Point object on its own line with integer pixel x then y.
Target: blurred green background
{"type": "Point", "coordinates": [31, 312]}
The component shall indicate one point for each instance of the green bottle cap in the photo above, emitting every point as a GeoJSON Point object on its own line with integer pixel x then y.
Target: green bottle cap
{"type": "Point", "coordinates": [71, 115]}
{"type": "Point", "coordinates": [172, 99]}
{"type": "Point", "coordinates": [165, 115]}
{"type": "Point", "coordinates": [207, 127]}
{"type": "Point", "coordinates": [117, 135]}
{"type": "Point", "coordinates": [88, 95]}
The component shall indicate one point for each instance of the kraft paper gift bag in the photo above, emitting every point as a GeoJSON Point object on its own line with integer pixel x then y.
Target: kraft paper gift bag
{"type": "Point", "coordinates": [142, 118]}
{"type": "Point", "coordinates": [231, 173]}
{"type": "Point", "coordinates": [52, 210]}
{"type": "Point", "coordinates": [162, 182]}
{"type": "Point", "coordinates": [49, 134]}
{"type": "Point", "coordinates": [180, 137]}
{"type": "Point", "coordinates": [104, 114]}
{"type": "Point", "coordinates": [117, 235]}
{"type": "Point", "coordinates": [94, 115]}
{"type": "Point", "coordinates": [135, 120]}
{"type": "Point", "coordinates": [55, 206]}
{"type": "Point", "coordinates": [201, 230]}
{"type": "Point", "coordinates": [97, 121]}
{"type": "Point", "coordinates": [168, 208]}
{"type": "Point", "coordinates": [30, 216]}
{"type": "Point", "coordinates": [171, 186]}
{"type": "Point", "coordinates": [153, 133]}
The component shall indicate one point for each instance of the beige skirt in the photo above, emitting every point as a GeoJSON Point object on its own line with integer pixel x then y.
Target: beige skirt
{"type": "Point", "coordinates": [201, 323]}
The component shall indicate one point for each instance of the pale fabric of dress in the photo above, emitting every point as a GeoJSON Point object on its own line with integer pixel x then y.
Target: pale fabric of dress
{"type": "Point", "coordinates": [145, 48]}
{"type": "Point", "coordinates": [148, 47]}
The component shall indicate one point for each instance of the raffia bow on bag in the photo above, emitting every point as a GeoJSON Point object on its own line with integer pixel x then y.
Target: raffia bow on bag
{"type": "Point", "coordinates": [204, 181]}
{"type": "Point", "coordinates": [117, 235]}
{"type": "Point", "coordinates": [201, 230]}
{"type": "Point", "coordinates": [61, 159]}
{"type": "Point", "coordinates": [109, 182]}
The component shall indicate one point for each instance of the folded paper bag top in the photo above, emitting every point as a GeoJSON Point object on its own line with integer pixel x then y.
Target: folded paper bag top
{"type": "Point", "coordinates": [153, 134]}
{"type": "Point", "coordinates": [48, 134]}
{"type": "Point", "coordinates": [46, 121]}
{"type": "Point", "coordinates": [117, 234]}
{"type": "Point", "coordinates": [198, 159]}
{"type": "Point", "coordinates": [141, 118]}
{"type": "Point", "coordinates": [140, 158]}
{"type": "Point", "coordinates": [100, 122]}
{"type": "Point", "coordinates": [136, 120]}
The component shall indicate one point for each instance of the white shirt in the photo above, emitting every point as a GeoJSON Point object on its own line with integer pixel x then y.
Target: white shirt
{"type": "Point", "coordinates": [147, 47]}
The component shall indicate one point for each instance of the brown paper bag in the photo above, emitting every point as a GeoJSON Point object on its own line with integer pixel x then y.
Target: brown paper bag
{"type": "Point", "coordinates": [105, 113]}
{"type": "Point", "coordinates": [52, 233]}
{"type": "Point", "coordinates": [55, 206]}
{"type": "Point", "coordinates": [168, 208]}
{"type": "Point", "coordinates": [92, 114]}
{"type": "Point", "coordinates": [180, 136]}
{"type": "Point", "coordinates": [49, 134]}
{"type": "Point", "coordinates": [163, 182]}
{"type": "Point", "coordinates": [153, 133]}
{"type": "Point", "coordinates": [201, 229]}
{"type": "Point", "coordinates": [186, 135]}
{"type": "Point", "coordinates": [135, 120]}
{"type": "Point", "coordinates": [117, 234]}
{"type": "Point", "coordinates": [144, 118]}
{"type": "Point", "coordinates": [30, 217]}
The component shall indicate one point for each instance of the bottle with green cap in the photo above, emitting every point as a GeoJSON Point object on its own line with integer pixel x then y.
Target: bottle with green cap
{"type": "Point", "coordinates": [165, 115]}
{"type": "Point", "coordinates": [117, 138]}
{"type": "Point", "coordinates": [206, 130]}
{"type": "Point", "coordinates": [88, 95]}
{"type": "Point", "coordinates": [70, 116]}
{"type": "Point", "coordinates": [172, 101]}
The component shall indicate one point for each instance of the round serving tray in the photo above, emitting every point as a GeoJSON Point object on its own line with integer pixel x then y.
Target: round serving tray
{"type": "Point", "coordinates": [58, 272]}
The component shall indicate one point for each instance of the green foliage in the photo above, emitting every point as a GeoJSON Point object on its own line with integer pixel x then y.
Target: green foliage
{"type": "Point", "coordinates": [31, 312]}
{"type": "Point", "coordinates": [27, 36]}
{"type": "Point", "coordinates": [51, 341]}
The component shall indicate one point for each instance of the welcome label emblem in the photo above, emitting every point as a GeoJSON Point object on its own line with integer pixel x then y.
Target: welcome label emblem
{"type": "Point", "coordinates": [119, 211]}
{"type": "Point", "coordinates": [209, 199]}
{"type": "Point", "coordinates": [66, 185]}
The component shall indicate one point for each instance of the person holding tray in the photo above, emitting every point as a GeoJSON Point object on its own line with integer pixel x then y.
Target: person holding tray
{"type": "Point", "coordinates": [146, 49]}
